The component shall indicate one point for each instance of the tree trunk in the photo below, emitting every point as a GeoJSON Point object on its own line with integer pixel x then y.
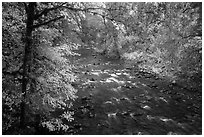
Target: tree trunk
{"type": "Point", "coordinates": [27, 58]}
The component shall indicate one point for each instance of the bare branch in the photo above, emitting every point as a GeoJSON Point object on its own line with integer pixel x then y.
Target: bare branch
{"type": "Point", "coordinates": [46, 10]}
{"type": "Point", "coordinates": [47, 22]}
{"type": "Point", "coordinates": [80, 9]}
{"type": "Point", "coordinates": [26, 6]}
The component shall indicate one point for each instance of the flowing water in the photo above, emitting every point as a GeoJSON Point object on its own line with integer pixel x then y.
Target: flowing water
{"type": "Point", "coordinates": [113, 99]}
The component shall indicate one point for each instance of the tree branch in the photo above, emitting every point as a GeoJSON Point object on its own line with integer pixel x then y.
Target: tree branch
{"type": "Point", "coordinates": [13, 73]}
{"type": "Point", "coordinates": [80, 9]}
{"type": "Point", "coordinates": [46, 10]}
{"type": "Point", "coordinates": [47, 22]}
{"type": "Point", "coordinates": [26, 7]}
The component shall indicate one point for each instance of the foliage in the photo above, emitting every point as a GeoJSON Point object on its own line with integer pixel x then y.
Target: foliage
{"type": "Point", "coordinates": [49, 84]}
{"type": "Point", "coordinates": [57, 124]}
{"type": "Point", "coordinates": [164, 29]}
{"type": "Point", "coordinates": [162, 38]}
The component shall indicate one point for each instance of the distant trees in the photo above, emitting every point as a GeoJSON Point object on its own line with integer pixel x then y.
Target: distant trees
{"type": "Point", "coordinates": [160, 29]}
{"type": "Point", "coordinates": [153, 34]}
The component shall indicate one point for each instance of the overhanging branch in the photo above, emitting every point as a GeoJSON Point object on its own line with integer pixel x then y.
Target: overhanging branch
{"type": "Point", "coordinates": [46, 10]}
{"type": "Point", "coordinates": [90, 10]}
{"type": "Point", "coordinates": [47, 22]}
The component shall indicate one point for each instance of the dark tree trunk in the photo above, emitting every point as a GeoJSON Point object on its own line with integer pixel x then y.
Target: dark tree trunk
{"type": "Point", "coordinates": [30, 8]}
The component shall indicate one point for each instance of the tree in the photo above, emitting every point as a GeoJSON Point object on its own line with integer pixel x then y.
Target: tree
{"type": "Point", "coordinates": [41, 63]}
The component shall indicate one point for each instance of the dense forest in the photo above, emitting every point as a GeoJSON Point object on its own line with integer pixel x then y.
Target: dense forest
{"type": "Point", "coordinates": [101, 68]}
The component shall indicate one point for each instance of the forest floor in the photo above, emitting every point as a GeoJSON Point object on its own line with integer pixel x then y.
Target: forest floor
{"type": "Point", "coordinates": [113, 99]}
